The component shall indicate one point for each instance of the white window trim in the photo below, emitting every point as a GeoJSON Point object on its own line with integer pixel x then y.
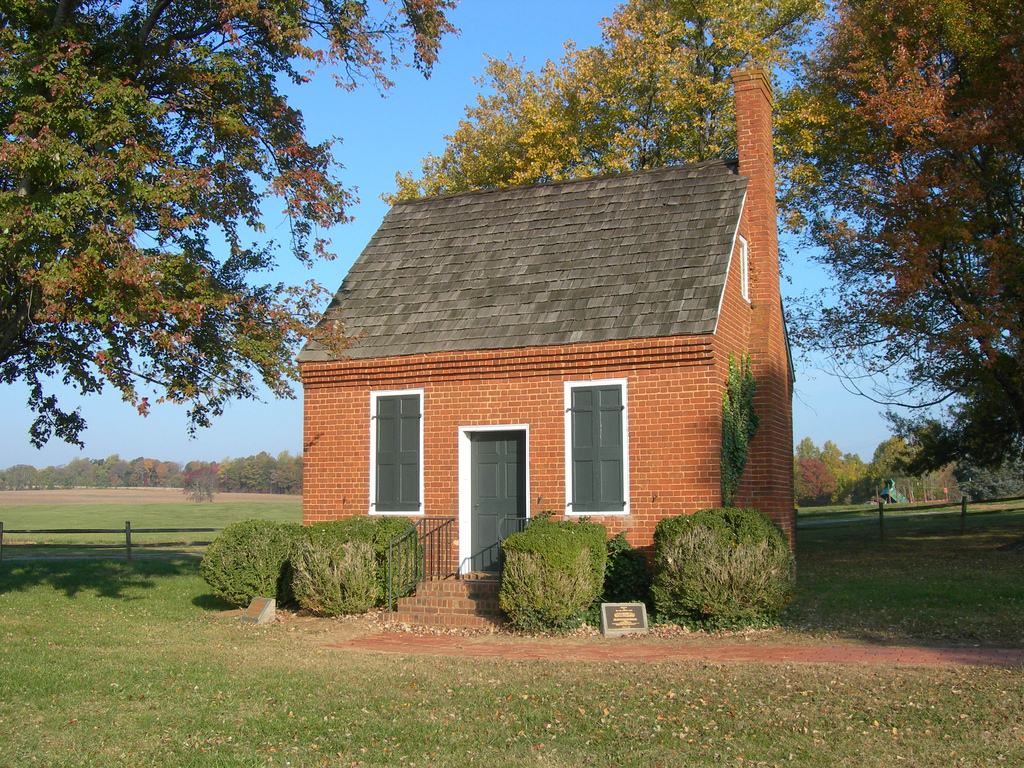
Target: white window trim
{"type": "Point", "coordinates": [373, 449]}
{"type": "Point", "coordinates": [568, 387]}
{"type": "Point", "coordinates": [744, 269]}
{"type": "Point", "coordinates": [466, 485]}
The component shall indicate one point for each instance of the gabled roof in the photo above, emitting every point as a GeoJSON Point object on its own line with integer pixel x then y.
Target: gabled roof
{"type": "Point", "coordinates": [630, 255]}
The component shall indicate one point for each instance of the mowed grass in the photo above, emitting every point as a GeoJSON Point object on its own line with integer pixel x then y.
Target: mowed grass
{"type": "Point", "coordinates": [113, 516]}
{"type": "Point", "coordinates": [109, 664]}
{"type": "Point", "coordinates": [924, 584]}
{"type": "Point", "coordinates": [106, 664]}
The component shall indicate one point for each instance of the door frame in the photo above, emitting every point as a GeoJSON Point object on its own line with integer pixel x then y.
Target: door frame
{"type": "Point", "coordinates": [466, 484]}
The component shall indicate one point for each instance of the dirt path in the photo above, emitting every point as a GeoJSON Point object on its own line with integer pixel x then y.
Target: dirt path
{"type": "Point", "coordinates": [623, 650]}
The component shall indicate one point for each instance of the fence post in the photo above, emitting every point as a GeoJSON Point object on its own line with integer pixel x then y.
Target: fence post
{"type": "Point", "coordinates": [1, 543]}
{"type": "Point", "coordinates": [963, 514]}
{"type": "Point", "coordinates": [881, 521]}
{"type": "Point", "coordinates": [128, 539]}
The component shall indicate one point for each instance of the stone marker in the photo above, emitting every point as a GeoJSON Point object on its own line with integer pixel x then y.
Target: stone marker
{"type": "Point", "coordinates": [619, 619]}
{"type": "Point", "coordinates": [261, 610]}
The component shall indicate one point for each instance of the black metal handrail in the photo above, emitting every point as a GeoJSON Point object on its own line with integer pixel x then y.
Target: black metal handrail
{"type": "Point", "coordinates": [422, 552]}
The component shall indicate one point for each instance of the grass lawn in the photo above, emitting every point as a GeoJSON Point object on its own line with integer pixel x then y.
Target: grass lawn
{"type": "Point", "coordinates": [924, 584]}
{"type": "Point", "coordinates": [106, 664]}
{"type": "Point", "coordinates": [141, 515]}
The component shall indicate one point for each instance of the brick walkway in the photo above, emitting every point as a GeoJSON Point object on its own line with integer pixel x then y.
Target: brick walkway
{"type": "Point", "coordinates": [621, 650]}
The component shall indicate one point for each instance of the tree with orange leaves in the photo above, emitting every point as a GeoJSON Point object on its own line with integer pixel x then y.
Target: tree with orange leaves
{"type": "Point", "coordinates": [910, 181]}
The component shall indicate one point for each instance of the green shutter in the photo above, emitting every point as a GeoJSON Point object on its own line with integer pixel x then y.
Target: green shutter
{"type": "Point", "coordinates": [398, 454]}
{"type": "Point", "coordinates": [597, 449]}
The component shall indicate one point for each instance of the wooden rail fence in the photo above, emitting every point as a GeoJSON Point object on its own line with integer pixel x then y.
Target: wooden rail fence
{"type": "Point", "coordinates": [899, 512]}
{"type": "Point", "coordinates": [127, 531]}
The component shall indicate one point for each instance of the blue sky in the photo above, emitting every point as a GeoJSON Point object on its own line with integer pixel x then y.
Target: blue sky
{"type": "Point", "coordinates": [382, 136]}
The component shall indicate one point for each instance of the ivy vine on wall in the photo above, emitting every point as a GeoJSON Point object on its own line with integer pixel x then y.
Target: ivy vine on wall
{"type": "Point", "coordinates": [739, 425]}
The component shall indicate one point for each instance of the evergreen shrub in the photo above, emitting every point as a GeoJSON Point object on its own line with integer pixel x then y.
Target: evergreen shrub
{"type": "Point", "coordinates": [553, 571]}
{"type": "Point", "coordinates": [335, 580]}
{"type": "Point", "coordinates": [721, 568]}
{"type": "Point", "coordinates": [250, 559]}
{"type": "Point", "coordinates": [342, 565]}
{"type": "Point", "coordinates": [627, 578]}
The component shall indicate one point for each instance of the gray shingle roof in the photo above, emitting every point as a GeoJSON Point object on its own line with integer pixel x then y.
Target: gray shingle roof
{"type": "Point", "coordinates": [631, 255]}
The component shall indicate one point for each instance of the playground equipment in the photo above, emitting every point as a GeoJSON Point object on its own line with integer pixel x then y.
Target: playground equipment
{"type": "Point", "coordinates": [890, 495]}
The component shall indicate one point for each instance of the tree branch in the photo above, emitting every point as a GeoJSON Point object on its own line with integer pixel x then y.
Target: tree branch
{"type": "Point", "coordinates": [154, 15]}
{"type": "Point", "coordinates": [64, 9]}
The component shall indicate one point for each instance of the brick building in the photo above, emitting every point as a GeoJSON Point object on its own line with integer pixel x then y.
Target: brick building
{"type": "Point", "coordinates": [559, 347]}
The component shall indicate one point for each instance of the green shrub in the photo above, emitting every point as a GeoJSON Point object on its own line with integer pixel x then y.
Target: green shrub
{"type": "Point", "coordinates": [335, 580]}
{"type": "Point", "coordinates": [388, 528]}
{"type": "Point", "coordinates": [721, 568]}
{"type": "Point", "coordinates": [553, 570]}
{"type": "Point", "coordinates": [250, 559]}
{"type": "Point", "coordinates": [327, 542]}
{"type": "Point", "coordinates": [627, 578]}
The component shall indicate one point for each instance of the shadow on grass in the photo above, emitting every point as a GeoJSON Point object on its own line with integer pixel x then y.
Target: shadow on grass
{"type": "Point", "coordinates": [105, 578]}
{"type": "Point", "coordinates": [925, 585]}
{"type": "Point", "coordinates": [212, 603]}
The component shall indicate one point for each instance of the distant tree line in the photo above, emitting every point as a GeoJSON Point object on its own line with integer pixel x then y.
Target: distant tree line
{"type": "Point", "coordinates": [261, 473]}
{"type": "Point", "coordinates": [826, 475]}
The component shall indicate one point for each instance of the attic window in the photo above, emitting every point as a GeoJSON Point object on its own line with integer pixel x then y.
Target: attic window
{"type": "Point", "coordinates": [744, 270]}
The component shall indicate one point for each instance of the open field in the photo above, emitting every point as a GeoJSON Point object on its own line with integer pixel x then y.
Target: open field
{"type": "Point", "coordinates": [143, 507]}
{"type": "Point", "coordinates": [106, 665]}
{"type": "Point", "coordinates": [95, 496]}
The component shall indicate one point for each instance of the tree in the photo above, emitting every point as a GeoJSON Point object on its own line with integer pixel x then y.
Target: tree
{"type": "Point", "coordinates": [287, 477]}
{"type": "Point", "coordinates": [807, 449]}
{"type": "Point", "coordinates": [982, 484]}
{"type": "Point", "coordinates": [911, 181]}
{"type": "Point", "coordinates": [136, 135]}
{"type": "Point", "coordinates": [257, 471]}
{"type": "Point", "coordinates": [814, 484]}
{"type": "Point", "coordinates": [655, 92]}
{"type": "Point", "coordinates": [199, 481]}
{"type": "Point", "coordinates": [20, 477]}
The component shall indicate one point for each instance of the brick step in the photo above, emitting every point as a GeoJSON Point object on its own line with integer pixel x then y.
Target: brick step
{"type": "Point", "coordinates": [468, 602]}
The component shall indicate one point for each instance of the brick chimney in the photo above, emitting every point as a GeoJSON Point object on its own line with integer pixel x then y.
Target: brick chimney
{"type": "Point", "coordinates": [770, 459]}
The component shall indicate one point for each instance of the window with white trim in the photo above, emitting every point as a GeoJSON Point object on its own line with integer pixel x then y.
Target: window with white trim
{"type": "Point", "coordinates": [396, 451]}
{"type": "Point", "coordinates": [744, 269]}
{"type": "Point", "coordinates": [597, 447]}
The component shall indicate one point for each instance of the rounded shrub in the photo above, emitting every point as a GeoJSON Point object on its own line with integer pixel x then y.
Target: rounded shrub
{"type": "Point", "coordinates": [552, 572]}
{"type": "Point", "coordinates": [627, 578]}
{"type": "Point", "coordinates": [250, 559]}
{"type": "Point", "coordinates": [721, 568]}
{"type": "Point", "coordinates": [341, 566]}
{"type": "Point", "coordinates": [335, 580]}
{"type": "Point", "coordinates": [386, 529]}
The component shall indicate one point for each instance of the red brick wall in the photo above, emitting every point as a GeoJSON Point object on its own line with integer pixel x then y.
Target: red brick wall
{"type": "Point", "coordinates": [674, 390]}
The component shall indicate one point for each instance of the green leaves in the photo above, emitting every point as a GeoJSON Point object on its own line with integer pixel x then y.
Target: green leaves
{"type": "Point", "coordinates": [739, 425]}
{"type": "Point", "coordinates": [654, 93]}
{"type": "Point", "coordinates": [140, 144]}
{"type": "Point", "coordinates": [912, 184]}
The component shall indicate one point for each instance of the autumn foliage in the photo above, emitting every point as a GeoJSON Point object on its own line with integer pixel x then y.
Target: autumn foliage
{"type": "Point", "coordinates": [141, 144]}
{"type": "Point", "coordinates": [910, 184]}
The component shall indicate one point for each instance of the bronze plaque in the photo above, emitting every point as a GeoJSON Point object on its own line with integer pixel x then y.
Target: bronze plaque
{"type": "Point", "coordinates": [619, 619]}
{"type": "Point", "coordinates": [261, 610]}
